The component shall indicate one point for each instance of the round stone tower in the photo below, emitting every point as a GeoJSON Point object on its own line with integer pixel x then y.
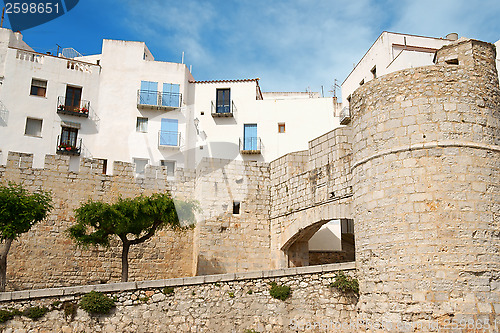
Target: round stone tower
{"type": "Point", "coordinates": [426, 180]}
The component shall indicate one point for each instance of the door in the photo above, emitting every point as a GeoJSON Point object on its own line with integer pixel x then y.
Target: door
{"type": "Point", "coordinates": [68, 137]}
{"type": "Point", "coordinates": [169, 134]}
{"type": "Point", "coordinates": [73, 98]}
{"type": "Point", "coordinates": [149, 93]}
{"type": "Point", "coordinates": [223, 101]}
{"type": "Point", "coordinates": [250, 137]}
{"type": "Point", "coordinates": [171, 95]}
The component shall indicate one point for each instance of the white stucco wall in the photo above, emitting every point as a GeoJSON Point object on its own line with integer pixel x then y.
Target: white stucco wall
{"type": "Point", "coordinates": [18, 72]}
{"type": "Point", "coordinates": [391, 52]}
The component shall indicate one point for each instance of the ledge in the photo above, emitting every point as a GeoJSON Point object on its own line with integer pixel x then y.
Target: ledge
{"type": "Point", "coordinates": [177, 282]}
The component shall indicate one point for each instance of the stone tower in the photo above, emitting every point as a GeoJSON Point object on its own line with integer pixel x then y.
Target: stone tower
{"type": "Point", "coordinates": [426, 179]}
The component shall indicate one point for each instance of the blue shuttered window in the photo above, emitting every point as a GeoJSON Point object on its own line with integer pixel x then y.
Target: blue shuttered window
{"type": "Point", "coordinates": [250, 137]}
{"type": "Point", "coordinates": [171, 95]}
{"type": "Point", "coordinates": [149, 93]}
{"type": "Point", "coordinates": [169, 134]}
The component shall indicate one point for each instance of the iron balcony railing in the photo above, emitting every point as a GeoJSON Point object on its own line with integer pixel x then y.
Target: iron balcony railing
{"type": "Point", "coordinates": [68, 146]}
{"type": "Point", "coordinates": [251, 145]}
{"type": "Point", "coordinates": [169, 139]}
{"type": "Point", "coordinates": [223, 110]}
{"type": "Point", "coordinates": [345, 116]}
{"type": "Point", "coordinates": [66, 106]}
{"type": "Point", "coordinates": [158, 99]}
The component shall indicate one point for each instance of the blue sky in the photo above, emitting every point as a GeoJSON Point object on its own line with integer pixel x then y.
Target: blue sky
{"type": "Point", "coordinates": [290, 45]}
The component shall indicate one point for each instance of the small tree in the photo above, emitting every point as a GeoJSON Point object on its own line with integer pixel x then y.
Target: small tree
{"type": "Point", "coordinates": [19, 211]}
{"type": "Point", "coordinates": [133, 221]}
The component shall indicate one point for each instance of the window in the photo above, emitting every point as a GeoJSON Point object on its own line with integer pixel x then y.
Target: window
{"type": "Point", "coordinates": [104, 166]}
{"type": "Point", "coordinates": [452, 61]}
{"type": "Point", "coordinates": [140, 165]}
{"type": "Point", "coordinates": [171, 95]}
{"type": "Point", "coordinates": [142, 125]}
{"type": "Point", "coordinates": [73, 98]}
{"type": "Point", "coordinates": [223, 101]}
{"type": "Point", "coordinates": [33, 127]}
{"type": "Point", "coordinates": [149, 93]}
{"type": "Point", "coordinates": [169, 133]}
{"type": "Point", "coordinates": [69, 136]}
{"type": "Point", "coordinates": [169, 166]}
{"type": "Point", "coordinates": [250, 137]}
{"type": "Point", "coordinates": [236, 207]}
{"type": "Point", "coordinates": [38, 87]}
{"type": "Point", "coordinates": [281, 127]}
{"type": "Point", "coordinates": [374, 72]}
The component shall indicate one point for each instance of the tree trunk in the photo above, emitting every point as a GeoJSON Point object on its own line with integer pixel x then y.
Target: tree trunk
{"type": "Point", "coordinates": [3, 263]}
{"type": "Point", "coordinates": [125, 249]}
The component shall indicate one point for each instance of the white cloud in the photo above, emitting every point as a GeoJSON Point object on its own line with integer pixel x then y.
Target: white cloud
{"type": "Point", "coordinates": [295, 44]}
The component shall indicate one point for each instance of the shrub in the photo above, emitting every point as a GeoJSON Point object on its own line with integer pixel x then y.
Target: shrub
{"type": "Point", "coordinates": [96, 303]}
{"type": "Point", "coordinates": [5, 315]}
{"type": "Point", "coordinates": [231, 294]}
{"type": "Point", "coordinates": [345, 283]}
{"type": "Point", "coordinates": [279, 292]}
{"type": "Point", "coordinates": [35, 312]}
{"type": "Point", "coordinates": [144, 299]}
{"type": "Point", "coordinates": [168, 290]}
{"type": "Point", "coordinates": [70, 310]}
{"type": "Point", "coordinates": [250, 330]}
{"type": "Point", "coordinates": [250, 292]}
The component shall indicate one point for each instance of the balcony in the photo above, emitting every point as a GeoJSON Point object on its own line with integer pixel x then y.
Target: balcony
{"type": "Point", "coordinates": [250, 145]}
{"type": "Point", "coordinates": [69, 147]}
{"type": "Point", "coordinates": [168, 139]}
{"type": "Point", "coordinates": [345, 116]}
{"type": "Point", "coordinates": [223, 110]}
{"type": "Point", "coordinates": [149, 99]}
{"type": "Point", "coordinates": [82, 110]}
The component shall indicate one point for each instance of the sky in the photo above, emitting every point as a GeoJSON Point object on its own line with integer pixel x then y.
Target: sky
{"type": "Point", "coordinates": [291, 45]}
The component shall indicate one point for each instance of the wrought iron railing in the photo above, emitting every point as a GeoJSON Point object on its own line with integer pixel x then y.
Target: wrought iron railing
{"type": "Point", "coordinates": [250, 145]}
{"type": "Point", "coordinates": [65, 106]}
{"type": "Point", "coordinates": [68, 146]}
{"type": "Point", "coordinates": [159, 99]}
{"type": "Point", "coordinates": [169, 139]}
{"type": "Point", "coordinates": [223, 110]}
{"type": "Point", "coordinates": [345, 116]}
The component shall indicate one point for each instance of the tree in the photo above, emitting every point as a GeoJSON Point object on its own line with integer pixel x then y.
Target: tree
{"type": "Point", "coordinates": [19, 211]}
{"type": "Point", "coordinates": [132, 220]}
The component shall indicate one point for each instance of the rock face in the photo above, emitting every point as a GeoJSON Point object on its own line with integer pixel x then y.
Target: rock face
{"type": "Point", "coordinates": [426, 179]}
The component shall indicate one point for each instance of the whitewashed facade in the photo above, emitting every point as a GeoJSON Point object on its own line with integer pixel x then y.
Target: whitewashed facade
{"type": "Point", "coordinates": [123, 105]}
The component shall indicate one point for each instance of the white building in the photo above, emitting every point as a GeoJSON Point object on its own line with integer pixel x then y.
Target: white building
{"type": "Point", "coordinates": [122, 105]}
{"type": "Point", "coordinates": [389, 53]}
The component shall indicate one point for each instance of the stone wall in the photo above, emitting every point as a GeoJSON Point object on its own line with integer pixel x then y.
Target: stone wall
{"type": "Point", "coordinates": [46, 257]}
{"type": "Point", "coordinates": [426, 179]}
{"type": "Point", "coordinates": [211, 303]}
{"type": "Point", "coordinates": [231, 241]}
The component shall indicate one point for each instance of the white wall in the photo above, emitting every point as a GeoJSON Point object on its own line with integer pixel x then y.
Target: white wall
{"type": "Point", "coordinates": [15, 95]}
{"type": "Point", "coordinates": [391, 52]}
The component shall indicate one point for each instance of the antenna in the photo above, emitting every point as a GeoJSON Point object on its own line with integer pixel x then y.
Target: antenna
{"type": "Point", "coordinates": [182, 61]}
{"type": "Point", "coordinates": [3, 13]}
{"type": "Point", "coordinates": [58, 47]}
{"type": "Point", "coordinates": [335, 86]}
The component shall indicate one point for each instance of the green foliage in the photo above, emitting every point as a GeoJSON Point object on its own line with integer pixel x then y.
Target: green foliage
{"type": "Point", "coordinates": [345, 283]}
{"type": "Point", "coordinates": [231, 294]}
{"type": "Point", "coordinates": [250, 330]}
{"type": "Point", "coordinates": [20, 210]}
{"type": "Point", "coordinates": [250, 292]}
{"type": "Point", "coordinates": [144, 299]}
{"type": "Point", "coordinates": [279, 292]}
{"type": "Point", "coordinates": [55, 304]}
{"type": "Point", "coordinates": [140, 217]}
{"type": "Point", "coordinates": [5, 315]}
{"type": "Point", "coordinates": [70, 309]}
{"type": "Point", "coordinates": [96, 303]}
{"type": "Point", "coordinates": [168, 290]}
{"type": "Point", "coordinates": [35, 312]}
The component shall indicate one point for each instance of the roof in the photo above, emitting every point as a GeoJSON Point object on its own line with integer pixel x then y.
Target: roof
{"type": "Point", "coordinates": [224, 81]}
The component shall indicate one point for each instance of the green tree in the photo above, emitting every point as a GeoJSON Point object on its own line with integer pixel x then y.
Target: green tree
{"type": "Point", "coordinates": [19, 211]}
{"type": "Point", "coordinates": [132, 220]}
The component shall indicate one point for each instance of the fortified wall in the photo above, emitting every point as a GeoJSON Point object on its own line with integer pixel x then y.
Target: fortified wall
{"type": "Point", "coordinates": [416, 173]}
